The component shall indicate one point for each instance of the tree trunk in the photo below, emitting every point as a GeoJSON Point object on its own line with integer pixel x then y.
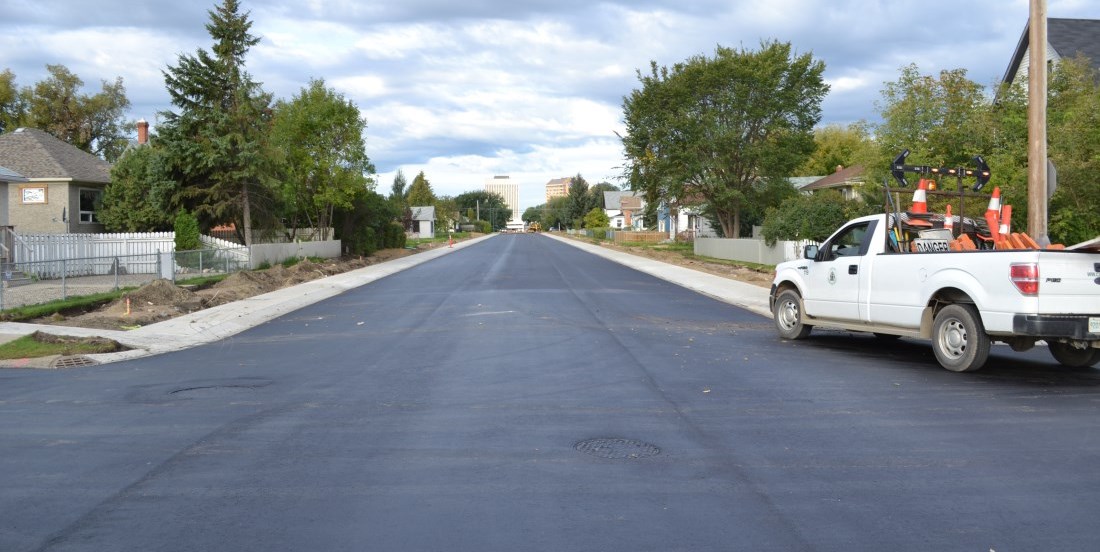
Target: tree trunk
{"type": "Point", "coordinates": [247, 215]}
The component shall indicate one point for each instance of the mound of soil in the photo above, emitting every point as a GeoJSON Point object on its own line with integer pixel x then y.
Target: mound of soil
{"type": "Point", "coordinates": [89, 344]}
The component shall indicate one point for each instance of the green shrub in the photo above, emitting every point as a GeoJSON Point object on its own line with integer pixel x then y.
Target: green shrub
{"type": "Point", "coordinates": [395, 236]}
{"type": "Point", "coordinates": [188, 236]}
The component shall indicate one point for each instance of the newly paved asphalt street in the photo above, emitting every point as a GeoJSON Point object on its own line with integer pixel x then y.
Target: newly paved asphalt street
{"type": "Point", "coordinates": [521, 394]}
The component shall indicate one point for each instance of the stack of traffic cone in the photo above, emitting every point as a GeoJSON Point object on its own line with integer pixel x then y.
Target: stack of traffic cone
{"type": "Point", "coordinates": [920, 198]}
{"type": "Point", "coordinates": [993, 215]}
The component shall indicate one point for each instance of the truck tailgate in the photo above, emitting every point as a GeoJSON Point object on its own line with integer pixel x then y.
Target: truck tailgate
{"type": "Point", "coordinates": [1069, 282]}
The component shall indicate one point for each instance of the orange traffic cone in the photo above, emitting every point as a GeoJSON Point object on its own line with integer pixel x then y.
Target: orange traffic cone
{"type": "Point", "coordinates": [1006, 220]}
{"type": "Point", "coordinates": [920, 198]}
{"type": "Point", "coordinates": [451, 242]}
{"type": "Point", "coordinates": [993, 215]}
{"type": "Point", "coordinates": [949, 220]}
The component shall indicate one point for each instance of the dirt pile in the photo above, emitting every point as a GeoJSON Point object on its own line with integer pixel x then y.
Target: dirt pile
{"type": "Point", "coordinates": [161, 299]}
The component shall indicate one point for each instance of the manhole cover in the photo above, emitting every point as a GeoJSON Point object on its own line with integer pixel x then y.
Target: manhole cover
{"type": "Point", "coordinates": [617, 449]}
{"type": "Point", "coordinates": [211, 391]}
{"type": "Point", "coordinates": [73, 362]}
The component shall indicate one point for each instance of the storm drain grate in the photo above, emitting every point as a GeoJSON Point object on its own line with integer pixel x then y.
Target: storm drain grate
{"type": "Point", "coordinates": [617, 449]}
{"type": "Point", "coordinates": [73, 362]}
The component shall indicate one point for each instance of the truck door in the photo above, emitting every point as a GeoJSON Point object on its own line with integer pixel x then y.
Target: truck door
{"type": "Point", "coordinates": [834, 276]}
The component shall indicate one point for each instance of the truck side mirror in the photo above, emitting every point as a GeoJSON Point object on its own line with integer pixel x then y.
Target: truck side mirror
{"type": "Point", "coordinates": [809, 252]}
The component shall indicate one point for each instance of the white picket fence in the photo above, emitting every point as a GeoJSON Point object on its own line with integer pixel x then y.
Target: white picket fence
{"type": "Point", "coordinates": [96, 254]}
{"type": "Point", "coordinates": [52, 247]}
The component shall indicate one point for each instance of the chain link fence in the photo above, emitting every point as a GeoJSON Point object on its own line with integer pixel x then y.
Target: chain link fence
{"type": "Point", "coordinates": [35, 282]}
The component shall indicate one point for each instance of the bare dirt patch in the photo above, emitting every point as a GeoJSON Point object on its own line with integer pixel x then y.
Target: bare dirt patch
{"type": "Point", "coordinates": [732, 271]}
{"type": "Point", "coordinates": [161, 299]}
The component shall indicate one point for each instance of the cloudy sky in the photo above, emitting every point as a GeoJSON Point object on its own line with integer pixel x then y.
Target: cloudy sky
{"type": "Point", "coordinates": [528, 88]}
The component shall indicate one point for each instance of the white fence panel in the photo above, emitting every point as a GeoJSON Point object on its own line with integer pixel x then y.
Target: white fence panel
{"type": "Point", "coordinates": [749, 250]}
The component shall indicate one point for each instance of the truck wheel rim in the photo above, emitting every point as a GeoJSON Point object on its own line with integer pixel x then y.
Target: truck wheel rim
{"type": "Point", "coordinates": [953, 338]}
{"type": "Point", "coordinates": [788, 315]}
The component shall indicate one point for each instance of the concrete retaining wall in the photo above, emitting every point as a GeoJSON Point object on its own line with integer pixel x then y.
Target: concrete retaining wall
{"type": "Point", "coordinates": [274, 253]}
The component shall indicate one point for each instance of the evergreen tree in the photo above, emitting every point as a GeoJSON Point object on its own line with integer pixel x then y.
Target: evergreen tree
{"type": "Point", "coordinates": [580, 201]}
{"type": "Point", "coordinates": [139, 196]}
{"type": "Point", "coordinates": [420, 193]}
{"type": "Point", "coordinates": [217, 140]}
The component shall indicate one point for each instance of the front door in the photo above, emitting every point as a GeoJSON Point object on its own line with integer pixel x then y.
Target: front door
{"type": "Point", "coordinates": [834, 276]}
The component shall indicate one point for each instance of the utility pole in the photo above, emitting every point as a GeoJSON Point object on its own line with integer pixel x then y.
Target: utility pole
{"type": "Point", "coordinates": [1037, 123]}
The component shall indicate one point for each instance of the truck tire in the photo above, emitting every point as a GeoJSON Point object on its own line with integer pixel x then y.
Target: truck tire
{"type": "Point", "coordinates": [1068, 355]}
{"type": "Point", "coordinates": [788, 316]}
{"type": "Point", "coordinates": [959, 340]}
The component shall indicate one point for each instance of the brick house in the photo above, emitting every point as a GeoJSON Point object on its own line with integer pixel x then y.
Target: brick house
{"type": "Point", "coordinates": [63, 188]}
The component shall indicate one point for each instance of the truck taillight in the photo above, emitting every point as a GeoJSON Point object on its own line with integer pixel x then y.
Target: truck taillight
{"type": "Point", "coordinates": [1025, 276]}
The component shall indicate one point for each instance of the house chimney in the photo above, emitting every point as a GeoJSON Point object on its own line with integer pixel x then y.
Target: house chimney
{"type": "Point", "coordinates": [143, 131]}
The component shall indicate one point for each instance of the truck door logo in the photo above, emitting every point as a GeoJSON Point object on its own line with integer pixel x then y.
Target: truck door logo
{"type": "Point", "coordinates": [832, 275]}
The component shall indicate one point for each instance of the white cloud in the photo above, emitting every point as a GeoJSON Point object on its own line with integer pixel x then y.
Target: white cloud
{"type": "Point", "coordinates": [532, 89]}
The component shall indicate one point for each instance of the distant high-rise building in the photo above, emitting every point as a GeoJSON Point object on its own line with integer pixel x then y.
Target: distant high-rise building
{"type": "Point", "coordinates": [505, 188]}
{"type": "Point", "coordinates": [558, 187]}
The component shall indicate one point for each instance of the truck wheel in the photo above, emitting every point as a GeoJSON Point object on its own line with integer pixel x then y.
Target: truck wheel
{"type": "Point", "coordinates": [959, 340]}
{"type": "Point", "coordinates": [1071, 356]}
{"type": "Point", "coordinates": [788, 316]}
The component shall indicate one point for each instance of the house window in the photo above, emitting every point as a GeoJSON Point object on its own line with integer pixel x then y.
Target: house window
{"type": "Point", "coordinates": [89, 201]}
{"type": "Point", "coordinates": [34, 194]}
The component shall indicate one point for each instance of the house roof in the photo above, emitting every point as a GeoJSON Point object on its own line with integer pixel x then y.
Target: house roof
{"type": "Point", "coordinates": [1067, 37]}
{"type": "Point", "coordinates": [843, 177]}
{"type": "Point", "coordinates": [423, 213]}
{"type": "Point", "coordinates": [8, 175]}
{"type": "Point", "coordinates": [37, 154]}
{"type": "Point", "coordinates": [622, 200]}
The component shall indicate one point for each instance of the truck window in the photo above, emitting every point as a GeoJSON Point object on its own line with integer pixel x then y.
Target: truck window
{"type": "Point", "coordinates": [851, 242]}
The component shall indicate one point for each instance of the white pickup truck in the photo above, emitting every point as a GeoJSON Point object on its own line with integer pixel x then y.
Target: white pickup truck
{"type": "Point", "coordinates": [961, 300]}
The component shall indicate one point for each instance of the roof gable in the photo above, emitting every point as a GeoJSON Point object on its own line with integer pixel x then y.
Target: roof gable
{"type": "Point", "coordinates": [622, 200]}
{"type": "Point", "coordinates": [1067, 37]}
{"type": "Point", "coordinates": [423, 213]}
{"type": "Point", "coordinates": [37, 154]}
{"type": "Point", "coordinates": [8, 175]}
{"type": "Point", "coordinates": [844, 177]}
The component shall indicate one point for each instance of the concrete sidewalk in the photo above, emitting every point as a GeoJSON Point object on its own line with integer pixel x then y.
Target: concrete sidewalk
{"type": "Point", "coordinates": [746, 296]}
{"type": "Point", "coordinates": [219, 322]}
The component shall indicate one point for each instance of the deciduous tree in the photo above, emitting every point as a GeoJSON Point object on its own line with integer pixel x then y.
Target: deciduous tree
{"type": "Point", "coordinates": [325, 163]}
{"type": "Point", "coordinates": [487, 206]}
{"type": "Point", "coordinates": [710, 129]}
{"type": "Point", "coordinates": [835, 145]}
{"type": "Point", "coordinates": [95, 123]}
